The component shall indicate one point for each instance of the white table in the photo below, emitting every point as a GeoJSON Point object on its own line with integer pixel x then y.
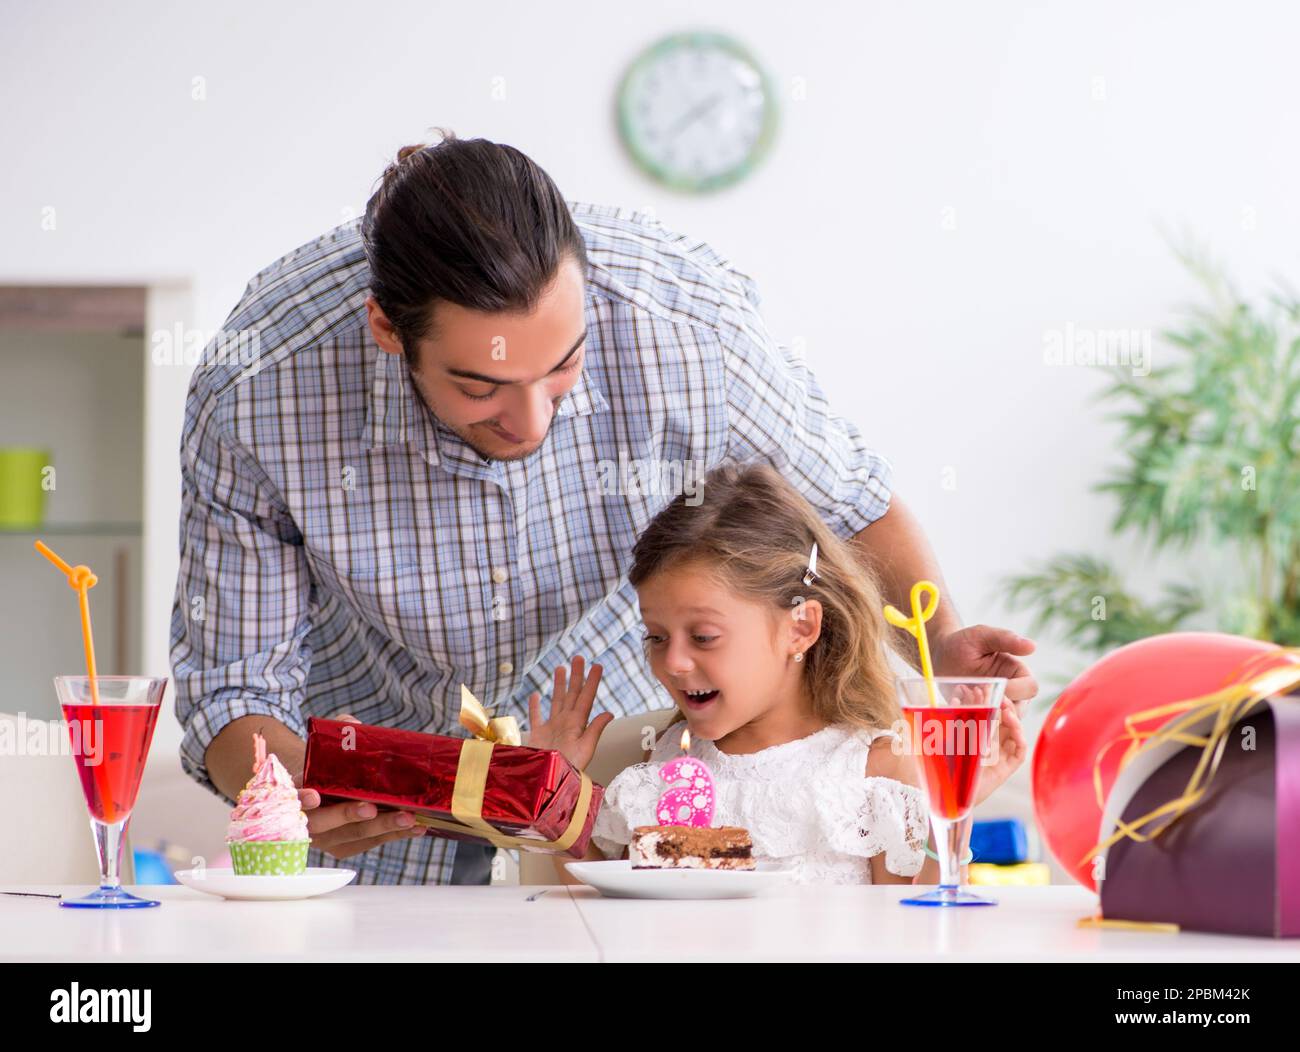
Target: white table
{"type": "Point", "coordinates": [577, 924]}
{"type": "Point", "coordinates": [847, 923]}
{"type": "Point", "coordinates": [388, 923]}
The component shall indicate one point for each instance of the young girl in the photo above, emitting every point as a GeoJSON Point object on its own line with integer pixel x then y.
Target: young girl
{"type": "Point", "coordinates": [784, 686]}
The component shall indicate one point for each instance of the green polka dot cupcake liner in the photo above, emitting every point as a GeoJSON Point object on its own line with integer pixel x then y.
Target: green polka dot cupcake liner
{"type": "Point", "coordinates": [269, 858]}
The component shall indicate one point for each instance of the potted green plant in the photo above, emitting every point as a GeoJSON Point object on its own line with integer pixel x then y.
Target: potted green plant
{"type": "Point", "coordinates": [1212, 453]}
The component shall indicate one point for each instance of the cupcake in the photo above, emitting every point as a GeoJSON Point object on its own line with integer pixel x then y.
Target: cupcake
{"type": "Point", "coordinates": [268, 834]}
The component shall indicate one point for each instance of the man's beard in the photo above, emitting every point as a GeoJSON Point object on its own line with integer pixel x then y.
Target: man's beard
{"type": "Point", "coordinates": [463, 435]}
{"type": "Point", "coordinates": [488, 454]}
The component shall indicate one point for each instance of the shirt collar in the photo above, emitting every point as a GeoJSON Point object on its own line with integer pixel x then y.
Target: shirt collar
{"type": "Point", "coordinates": [395, 415]}
{"type": "Point", "coordinates": [584, 397]}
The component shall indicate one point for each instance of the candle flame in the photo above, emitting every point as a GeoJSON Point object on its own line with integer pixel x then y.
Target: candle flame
{"type": "Point", "coordinates": [686, 739]}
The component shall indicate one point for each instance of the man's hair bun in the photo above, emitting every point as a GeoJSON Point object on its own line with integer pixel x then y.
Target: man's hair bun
{"type": "Point", "coordinates": [469, 222]}
{"type": "Point", "coordinates": [406, 152]}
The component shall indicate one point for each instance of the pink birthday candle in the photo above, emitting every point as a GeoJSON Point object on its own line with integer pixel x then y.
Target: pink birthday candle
{"type": "Point", "coordinates": [690, 804]}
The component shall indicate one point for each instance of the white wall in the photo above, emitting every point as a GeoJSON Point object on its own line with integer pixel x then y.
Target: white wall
{"type": "Point", "coordinates": [1057, 135]}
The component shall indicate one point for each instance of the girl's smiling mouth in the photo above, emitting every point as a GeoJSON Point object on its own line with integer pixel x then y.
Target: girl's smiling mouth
{"type": "Point", "coordinates": [698, 699]}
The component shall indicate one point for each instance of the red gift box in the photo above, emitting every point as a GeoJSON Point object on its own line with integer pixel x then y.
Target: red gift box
{"type": "Point", "coordinates": [471, 789]}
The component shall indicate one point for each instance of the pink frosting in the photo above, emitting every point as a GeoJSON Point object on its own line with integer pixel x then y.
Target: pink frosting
{"type": "Point", "coordinates": [268, 807]}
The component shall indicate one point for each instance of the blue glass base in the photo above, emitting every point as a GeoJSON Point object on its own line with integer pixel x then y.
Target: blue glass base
{"type": "Point", "coordinates": [108, 899]}
{"type": "Point", "coordinates": [948, 896]}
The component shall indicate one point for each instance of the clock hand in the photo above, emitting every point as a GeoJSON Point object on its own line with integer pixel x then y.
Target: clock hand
{"type": "Point", "coordinates": [694, 113]}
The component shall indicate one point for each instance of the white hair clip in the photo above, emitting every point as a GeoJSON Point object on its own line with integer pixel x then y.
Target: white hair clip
{"type": "Point", "coordinates": [810, 575]}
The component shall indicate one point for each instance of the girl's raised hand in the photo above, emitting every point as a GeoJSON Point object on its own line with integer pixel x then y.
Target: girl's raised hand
{"type": "Point", "coordinates": [568, 731]}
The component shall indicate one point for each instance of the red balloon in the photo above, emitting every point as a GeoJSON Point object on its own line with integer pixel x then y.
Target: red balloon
{"type": "Point", "coordinates": [1091, 711]}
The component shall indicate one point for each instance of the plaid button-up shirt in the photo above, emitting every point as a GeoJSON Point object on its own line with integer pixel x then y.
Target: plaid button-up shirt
{"type": "Point", "coordinates": [343, 551]}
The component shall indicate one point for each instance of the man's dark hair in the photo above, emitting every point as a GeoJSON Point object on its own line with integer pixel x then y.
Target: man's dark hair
{"type": "Point", "coordinates": [466, 221]}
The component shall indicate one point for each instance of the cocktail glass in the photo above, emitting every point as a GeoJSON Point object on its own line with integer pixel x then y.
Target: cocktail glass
{"type": "Point", "coordinates": [110, 727]}
{"type": "Point", "coordinates": [953, 724]}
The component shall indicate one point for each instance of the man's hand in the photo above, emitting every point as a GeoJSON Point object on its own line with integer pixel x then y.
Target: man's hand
{"type": "Point", "coordinates": [567, 731]}
{"type": "Point", "coordinates": [349, 828]}
{"type": "Point", "coordinates": [982, 650]}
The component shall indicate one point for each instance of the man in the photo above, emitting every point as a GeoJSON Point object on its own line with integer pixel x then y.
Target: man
{"type": "Point", "coordinates": [462, 415]}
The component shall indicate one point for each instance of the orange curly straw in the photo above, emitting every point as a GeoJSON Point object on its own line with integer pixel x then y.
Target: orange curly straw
{"type": "Point", "coordinates": [81, 580]}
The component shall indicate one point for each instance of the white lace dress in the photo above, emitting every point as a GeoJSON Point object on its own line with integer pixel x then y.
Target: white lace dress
{"type": "Point", "coordinates": [808, 804]}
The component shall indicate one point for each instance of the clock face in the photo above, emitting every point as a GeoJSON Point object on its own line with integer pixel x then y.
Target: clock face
{"type": "Point", "coordinates": [696, 111]}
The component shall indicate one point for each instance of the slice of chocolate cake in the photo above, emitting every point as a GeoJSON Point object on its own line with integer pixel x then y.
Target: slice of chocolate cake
{"type": "Point", "coordinates": [691, 847]}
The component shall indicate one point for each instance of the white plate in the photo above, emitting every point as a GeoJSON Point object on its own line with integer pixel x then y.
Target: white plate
{"type": "Point", "coordinates": [617, 879]}
{"type": "Point", "coordinates": [311, 882]}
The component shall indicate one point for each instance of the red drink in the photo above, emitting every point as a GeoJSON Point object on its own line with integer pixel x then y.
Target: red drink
{"type": "Point", "coordinates": [110, 725]}
{"type": "Point", "coordinates": [110, 744]}
{"type": "Point", "coordinates": [950, 722]}
{"type": "Point", "coordinates": [949, 743]}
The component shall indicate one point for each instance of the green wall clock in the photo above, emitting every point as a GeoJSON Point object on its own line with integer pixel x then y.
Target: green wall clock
{"type": "Point", "coordinates": [696, 111]}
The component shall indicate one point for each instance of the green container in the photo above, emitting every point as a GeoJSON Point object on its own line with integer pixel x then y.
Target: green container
{"type": "Point", "coordinates": [22, 497]}
{"type": "Point", "coordinates": [280, 858]}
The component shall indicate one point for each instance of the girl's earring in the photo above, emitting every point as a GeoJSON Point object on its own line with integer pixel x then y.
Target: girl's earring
{"type": "Point", "coordinates": [799, 656]}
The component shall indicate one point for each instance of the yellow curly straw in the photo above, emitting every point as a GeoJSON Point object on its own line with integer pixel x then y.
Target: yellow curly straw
{"type": "Point", "coordinates": [921, 613]}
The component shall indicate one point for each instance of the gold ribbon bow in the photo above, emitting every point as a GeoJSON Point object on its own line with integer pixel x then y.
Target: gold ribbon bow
{"type": "Point", "coordinates": [1227, 706]}
{"type": "Point", "coordinates": [504, 730]}
{"type": "Point", "coordinates": [471, 780]}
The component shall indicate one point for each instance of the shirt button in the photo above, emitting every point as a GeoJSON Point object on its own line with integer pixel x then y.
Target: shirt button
{"type": "Point", "coordinates": [505, 668]}
{"type": "Point", "coordinates": [500, 575]}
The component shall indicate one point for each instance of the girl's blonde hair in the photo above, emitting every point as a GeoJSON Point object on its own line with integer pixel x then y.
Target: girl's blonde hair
{"type": "Point", "coordinates": [756, 532]}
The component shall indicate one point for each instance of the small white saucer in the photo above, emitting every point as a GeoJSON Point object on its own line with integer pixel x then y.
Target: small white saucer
{"type": "Point", "coordinates": [225, 883]}
{"type": "Point", "coordinates": [617, 879]}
